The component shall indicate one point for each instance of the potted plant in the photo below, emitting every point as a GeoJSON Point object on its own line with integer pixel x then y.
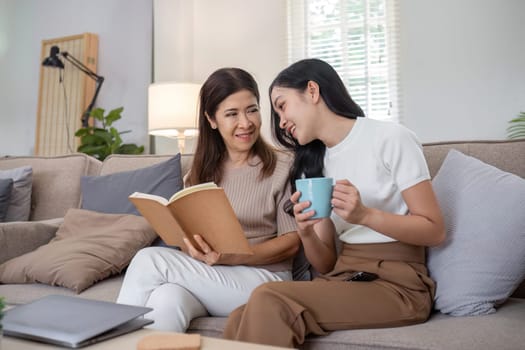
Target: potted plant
{"type": "Point", "coordinates": [102, 140]}
{"type": "Point", "coordinates": [516, 129]}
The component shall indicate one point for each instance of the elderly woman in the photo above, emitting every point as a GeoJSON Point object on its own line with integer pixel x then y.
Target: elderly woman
{"type": "Point", "coordinates": [182, 285]}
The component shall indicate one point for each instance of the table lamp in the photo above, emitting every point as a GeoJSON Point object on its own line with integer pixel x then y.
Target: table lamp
{"type": "Point", "coordinates": [172, 111]}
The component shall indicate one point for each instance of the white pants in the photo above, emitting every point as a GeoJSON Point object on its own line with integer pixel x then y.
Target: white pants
{"type": "Point", "coordinates": [180, 288]}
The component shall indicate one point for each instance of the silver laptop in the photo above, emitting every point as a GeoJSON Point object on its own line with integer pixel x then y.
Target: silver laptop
{"type": "Point", "coordinates": [72, 321]}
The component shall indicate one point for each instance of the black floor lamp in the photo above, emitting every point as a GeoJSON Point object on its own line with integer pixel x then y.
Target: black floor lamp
{"type": "Point", "coordinates": [54, 61]}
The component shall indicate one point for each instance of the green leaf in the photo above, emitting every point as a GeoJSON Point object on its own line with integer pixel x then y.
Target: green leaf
{"type": "Point", "coordinates": [113, 116]}
{"type": "Point", "coordinates": [116, 135]}
{"type": "Point", "coordinates": [117, 140]}
{"type": "Point", "coordinates": [516, 135]}
{"type": "Point", "coordinates": [103, 135]}
{"type": "Point", "coordinates": [92, 150]}
{"type": "Point", "coordinates": [98, 114]}
{"type": "Point", "coordinates": [91, 139]}
{"type": "Point", "coordinates": [518, 120]}
{"type": "Point", "coordinates": [516, 127]}
{"type": "Point", "coordinates": [82, 132]}
{"type": "Point", "coordinates": [130, 148]}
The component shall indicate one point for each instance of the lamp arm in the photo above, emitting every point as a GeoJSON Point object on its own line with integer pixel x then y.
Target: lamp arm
{"type": "Point", "coordinates": [87, 113]}
{"type": "Point", "coordinates": [98, 82]}
{"type": "Point", "coordinates": [81, 66]}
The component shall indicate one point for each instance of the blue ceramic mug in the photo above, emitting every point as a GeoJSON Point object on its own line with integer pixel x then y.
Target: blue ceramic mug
{"type": "Point", "coordinates": [317, 190]}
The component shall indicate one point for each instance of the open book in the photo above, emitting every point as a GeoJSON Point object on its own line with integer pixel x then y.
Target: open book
{"type": "Point", "coordinates": [203, 210]}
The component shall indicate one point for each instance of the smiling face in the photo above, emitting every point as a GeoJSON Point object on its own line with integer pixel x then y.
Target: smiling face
{"type": "Point", "coordinates": [238, 120]}
{"type": "Point", "coordinates": [297, 113]}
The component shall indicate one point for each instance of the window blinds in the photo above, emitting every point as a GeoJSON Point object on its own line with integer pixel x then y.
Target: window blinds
{"type": "Point", "coordinates": [359, 39]}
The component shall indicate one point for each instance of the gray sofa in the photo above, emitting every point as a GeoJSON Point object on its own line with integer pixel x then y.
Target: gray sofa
{"type": "Point", "coordinates": [56, 188]}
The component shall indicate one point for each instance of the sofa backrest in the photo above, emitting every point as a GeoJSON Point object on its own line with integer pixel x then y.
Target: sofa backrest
{"type": "Point", "coordinates": [506, 155]}
{"type": "Point", "coordinates": [122, 162]}
{"type": "Point", "coordinates": [56, 181]}
{"type": "Point", "coordinates": [56, 185]}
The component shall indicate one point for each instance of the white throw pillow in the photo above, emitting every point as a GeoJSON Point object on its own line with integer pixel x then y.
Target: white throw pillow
{"type": "Point", "coordinates": [482, 260]}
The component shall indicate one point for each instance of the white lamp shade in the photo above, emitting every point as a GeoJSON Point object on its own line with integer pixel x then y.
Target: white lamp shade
{"type": "Point", "coordinates": [172, 107]}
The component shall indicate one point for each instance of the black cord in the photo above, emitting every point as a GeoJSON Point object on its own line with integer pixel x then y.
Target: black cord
{"type": "Point", "coordinates": [68, 137]}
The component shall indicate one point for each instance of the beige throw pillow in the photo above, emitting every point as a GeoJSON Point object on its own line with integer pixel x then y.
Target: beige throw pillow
{"type": "Point", "coordinates": [88, 247]}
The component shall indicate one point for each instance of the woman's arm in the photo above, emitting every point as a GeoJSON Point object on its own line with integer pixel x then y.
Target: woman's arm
{"type": "Point", "coordinates": [319, 245]}
{"type": "Point", "coordinates": [423, 226]}
{"type": "Point", "coordinates": [317, 236]}
{"type": "Point", "coordinates": [268, 252]}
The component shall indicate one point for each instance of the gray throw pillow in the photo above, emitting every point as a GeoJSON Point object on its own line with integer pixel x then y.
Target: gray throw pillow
{"type": "Point", "coordinates": [482, 260]}
{"type": "Point", "coordinates": [20, 202]}
{"type": "Point", "coordinates": [6, 186]}
{"type": "Point", "coordinates": [109, 193]}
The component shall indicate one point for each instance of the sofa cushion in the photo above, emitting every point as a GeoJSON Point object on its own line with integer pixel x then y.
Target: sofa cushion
{"type": "Point", "coordinates": [18, 294]}
{"type": "Point", "coordinates": [109, 193]}
{"type": "Point", "coordinates": [6, 186]}
{"type": "Point", "coordinates": [502, 330]}
{"type": "Point", "coordinates": [20, 237]}
{"type": "Point", "coordinates": [88, 247]}
{"type": "Point", "coordinates": [19, 206]}
{"type": "Point", "coordinates": [481, 262]}
{"type": "Point", "coordinates": [56, 182]}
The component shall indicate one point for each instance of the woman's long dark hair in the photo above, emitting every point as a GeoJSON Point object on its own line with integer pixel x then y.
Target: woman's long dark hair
{"type": "Point", "coordinates": [211, 151]}
{"type": "Point", "coordinates": [309, 158]}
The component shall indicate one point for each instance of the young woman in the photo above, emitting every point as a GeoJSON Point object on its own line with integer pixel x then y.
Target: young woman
{"type": "Point", "coordinates": [180, 286]}
{"type": "Point", "coordinates": [384, 214]}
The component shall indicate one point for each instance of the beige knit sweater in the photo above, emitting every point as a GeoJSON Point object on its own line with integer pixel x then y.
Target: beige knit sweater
{"type": "Point", "coordinates": [258, 203]}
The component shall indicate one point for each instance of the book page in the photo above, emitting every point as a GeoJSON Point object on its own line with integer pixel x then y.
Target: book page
{"type": "Point", "coordinates": [160, 218]}
{"type": "Point", "coordinates": [153, 197]}
{"type": "Point", "coordinates": [191, 189]}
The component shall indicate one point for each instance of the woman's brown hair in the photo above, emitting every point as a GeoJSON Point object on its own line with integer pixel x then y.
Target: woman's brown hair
{"type": "Point", "coordinates": [211, 151]}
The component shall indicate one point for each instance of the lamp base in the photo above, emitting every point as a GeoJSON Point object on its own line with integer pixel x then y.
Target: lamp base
{"type": "Point", "coordinates": [163, 145]}
{"type": "Point", "coordinates": [187, 143]}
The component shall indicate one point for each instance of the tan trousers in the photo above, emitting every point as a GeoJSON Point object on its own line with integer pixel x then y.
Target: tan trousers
{"type": "Point", "coordinates": [284, 313]}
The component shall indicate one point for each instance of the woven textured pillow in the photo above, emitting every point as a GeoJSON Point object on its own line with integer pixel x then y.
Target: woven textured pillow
{"type": "Point", "coordinates": [88, 247]}
{"type": "Point", "coordinates": [483, 258]}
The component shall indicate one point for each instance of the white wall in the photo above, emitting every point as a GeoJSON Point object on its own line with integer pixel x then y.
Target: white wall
{"type": "Point", "coordinates": [462, 67]}
{"type": "Point", "coordinates": [226, 33]}
{"type": "Point", "coordinates": [462, 71]}
{"type": "Point", "coordinates": [462, 62]}
{"type": "Point", "coordinates": [124, 28]}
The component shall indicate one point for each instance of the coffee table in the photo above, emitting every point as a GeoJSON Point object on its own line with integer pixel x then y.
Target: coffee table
{"type": "Point", "coordinates": [129, 342]}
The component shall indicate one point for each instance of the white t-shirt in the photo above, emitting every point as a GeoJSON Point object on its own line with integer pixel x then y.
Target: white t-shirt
{"type": "Point", "coordinates": [381, 159]}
